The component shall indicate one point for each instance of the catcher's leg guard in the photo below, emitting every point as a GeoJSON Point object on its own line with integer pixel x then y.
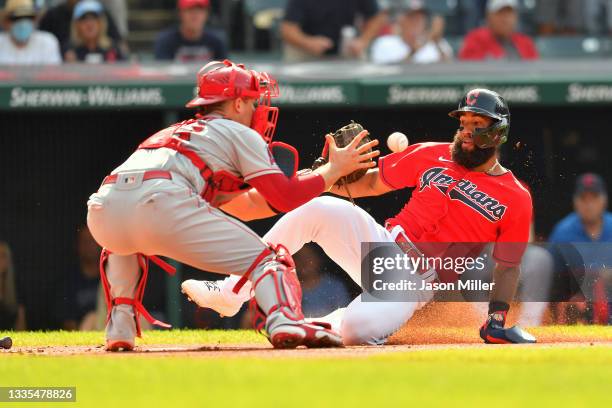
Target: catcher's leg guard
{"type": "Point", "coordinates": [124, 280]}
{"type": "Point", "coordinates": [278, 304]}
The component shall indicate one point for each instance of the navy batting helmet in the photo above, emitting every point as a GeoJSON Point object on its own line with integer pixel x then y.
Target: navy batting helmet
{"type": "Point", "coordinates": [490, 104]}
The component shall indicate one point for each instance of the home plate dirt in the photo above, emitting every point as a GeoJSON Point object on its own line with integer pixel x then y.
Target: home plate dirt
{"type": "Point", "coordinates": [437, 326]}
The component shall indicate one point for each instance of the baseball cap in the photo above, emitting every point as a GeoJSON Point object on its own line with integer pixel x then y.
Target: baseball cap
{"type": "Point", "coordinates": [590, 182]}
{"type": "Point", "coordinates": [413, 6]}
{"type": "Point", "coordinates": [86, 7]}
{"type": "Point", "coordinates": [494, 6]}
{"type": "Point", "coordinates": [185, 4]}
{"type": "Point", "coordinates": [19, 8]}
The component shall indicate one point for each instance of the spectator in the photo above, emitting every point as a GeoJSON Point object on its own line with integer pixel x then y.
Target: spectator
{"type": "Point", "coordinates": [12, 312]}
{"type": "Point", "coordinates": [77, 305]}
{"type": "Point", "coordinates": [593, 16]}
{"type": "Point", "coordinates": [589, 223]}
{"type": "Point", "coordinates": [190, 40]}
{"type": "Point", "coordinates": [499, 39]}
{"type": "Point", "coordinates": [22, 43]}
{"type": "Point", "coordinates": [419, 40]}
{"type": "Point", "coordinates": [559, 16]}
{"type": "Point", "coordinates": [89, 40]}
{"type": "Point", "coordinates": [316, 29]}
{"type": "Point", "coordinates": [58, 21]}
{"type": "Point", "coordinates": [118, 10]}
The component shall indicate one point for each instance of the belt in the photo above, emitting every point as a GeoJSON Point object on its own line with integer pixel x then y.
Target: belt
{"type": "Point", "coordinates": [148, 175]}
{"type": "Point", "coordinates": [410, 249]}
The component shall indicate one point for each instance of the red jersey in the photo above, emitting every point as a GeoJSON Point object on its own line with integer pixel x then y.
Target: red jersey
{"type": "Point", "coordinates": [451, 204]}
{"type": "Point", "coordinates": [481, 44]}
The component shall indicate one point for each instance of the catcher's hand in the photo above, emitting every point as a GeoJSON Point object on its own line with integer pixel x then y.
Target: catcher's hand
{"type": "Point", "coordinates": [342, 138]}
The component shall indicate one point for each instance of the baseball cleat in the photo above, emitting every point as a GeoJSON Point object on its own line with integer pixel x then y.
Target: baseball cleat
{"type": "Point", "coordinates": [119, 345]}
{"type": "Point", "coordinates": [212, 295]}
{"type": "Point", "coordinates": [289, 336]}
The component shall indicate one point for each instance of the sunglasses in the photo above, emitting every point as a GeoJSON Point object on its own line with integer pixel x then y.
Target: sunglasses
{"type": "Point", "coordinates": [14, 19]}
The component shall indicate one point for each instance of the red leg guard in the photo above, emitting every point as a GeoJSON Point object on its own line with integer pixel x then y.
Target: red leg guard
{"type": "Point", "coordinates": [289, 299]}
{"type": "Point", "coordinates": [136, 301]}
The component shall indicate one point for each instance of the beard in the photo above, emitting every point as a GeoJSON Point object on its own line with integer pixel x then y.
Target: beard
{"type": "Point", "coordinates": [470, 159]}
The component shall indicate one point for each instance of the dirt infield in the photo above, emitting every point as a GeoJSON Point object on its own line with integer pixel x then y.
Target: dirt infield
{"type": "Point", "coordinates": [264, 351]}
{"type": "Point", "coordinates": [437, 326]}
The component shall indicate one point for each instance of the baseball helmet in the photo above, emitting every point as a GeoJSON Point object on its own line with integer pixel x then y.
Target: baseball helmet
{"type": "Point", "coordinates": [223, 80]}
{"type": "Point", "coordinates": [490, 104]}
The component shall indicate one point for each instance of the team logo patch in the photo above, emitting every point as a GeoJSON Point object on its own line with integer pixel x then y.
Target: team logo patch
{"type": "Point", "coordinates": [464, 191]}
{"type": "Point", "coordinates": [472, 97]}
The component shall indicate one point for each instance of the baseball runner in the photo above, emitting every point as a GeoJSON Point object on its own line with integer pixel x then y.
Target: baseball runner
{"type": "Point", "coordinates": [164, 199]}
{"type": "Point", "coordinates": [462, 194]}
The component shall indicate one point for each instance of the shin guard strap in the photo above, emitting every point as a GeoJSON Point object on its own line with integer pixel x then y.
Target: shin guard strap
{"type": "Point", "coordinates": [245, 277]}
{"type": "Point", "coordinates": [136, 302]}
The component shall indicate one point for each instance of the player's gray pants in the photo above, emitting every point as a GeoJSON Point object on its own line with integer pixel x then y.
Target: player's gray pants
{"type": "Point", "coordinates": [339, 228]}
{"type": "Point", "coordinates": [165, 217]}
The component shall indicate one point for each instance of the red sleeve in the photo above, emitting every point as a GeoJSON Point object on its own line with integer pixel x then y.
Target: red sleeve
{"type": "Point", "coordinates": [285, 194]}
{"type": "Point", "coordinates": [514, 233]}
{"type": "Point", "coordinates": [528, 48]}
{"type": "Point", "coordinates": [400, 170]}
{"type": "Point", "coordinates": [472, 48]}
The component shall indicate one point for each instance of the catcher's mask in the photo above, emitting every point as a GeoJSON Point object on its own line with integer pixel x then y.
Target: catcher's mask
{"type": "Point", "coordinates": [223, 80]}
{"type": "Point", "coordinates": [490, 104]}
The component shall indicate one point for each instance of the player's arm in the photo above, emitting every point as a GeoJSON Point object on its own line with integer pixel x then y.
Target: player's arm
{"type": "Point", "coordinates": [394, 172]}
{"type": "Point", "coordinates": [279, 192]}
{"type": "Point", "coordinates": [508, 253]}
{"type": "Point", "coordinates": [248, 206]}
{"type": "Point", "coordinates": [371, 184]}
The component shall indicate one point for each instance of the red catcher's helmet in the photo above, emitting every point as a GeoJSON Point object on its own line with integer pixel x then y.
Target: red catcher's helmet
{"type": "Point", "coordinates": [223, 80]}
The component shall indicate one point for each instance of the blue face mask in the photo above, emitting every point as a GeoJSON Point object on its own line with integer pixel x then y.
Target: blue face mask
{"type": "Point", "coordinates": [22, 29]}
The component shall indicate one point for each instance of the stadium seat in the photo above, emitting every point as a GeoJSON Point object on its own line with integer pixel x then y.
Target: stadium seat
{"type": "Point", "coordinates": [443, 7]}
{"type": "Point", "coordinates": [573, 47]}
{"type": "Point", "coordinates": [455, 42]}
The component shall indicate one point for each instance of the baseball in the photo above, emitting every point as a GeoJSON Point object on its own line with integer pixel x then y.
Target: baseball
{"type": "Point", "coordinates": [397, 142]}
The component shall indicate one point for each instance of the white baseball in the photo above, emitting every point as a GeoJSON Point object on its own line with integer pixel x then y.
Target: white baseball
{"type": "Point", "coordinates": [397, 142]}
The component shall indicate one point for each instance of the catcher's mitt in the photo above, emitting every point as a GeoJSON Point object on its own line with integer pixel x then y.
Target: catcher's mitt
{"type": "Point", "coordinates": [343, 137]}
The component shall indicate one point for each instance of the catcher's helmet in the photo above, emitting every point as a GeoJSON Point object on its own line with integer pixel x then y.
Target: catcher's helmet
{"type": "Point", "coordinates": [490, 104]}
{"type": "Point", "coordinates": [222, 80]}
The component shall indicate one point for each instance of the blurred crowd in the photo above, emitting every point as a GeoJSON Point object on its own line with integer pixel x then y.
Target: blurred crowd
{"type": "Point", "coordinates": [382, 31]}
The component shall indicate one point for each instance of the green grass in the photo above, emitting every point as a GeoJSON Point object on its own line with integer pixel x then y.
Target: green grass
{"type": "Point", "coordinates": [94, 338]}
{"type": "Point", "coordinates": [487, 376]}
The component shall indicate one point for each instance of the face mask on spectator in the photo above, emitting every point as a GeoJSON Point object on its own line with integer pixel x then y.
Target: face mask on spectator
{"type": "Point", "coordinates": [22, 29]}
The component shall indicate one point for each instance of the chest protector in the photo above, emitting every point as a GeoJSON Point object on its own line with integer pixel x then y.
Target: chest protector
{"type": "Point", "coordinates": [221, 186]}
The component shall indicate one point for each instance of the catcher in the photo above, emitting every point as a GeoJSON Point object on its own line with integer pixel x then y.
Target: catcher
{"type": "Point", "coordinates": [462, 195]}
{"type": "Point", "coordinates": [164, 199]}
